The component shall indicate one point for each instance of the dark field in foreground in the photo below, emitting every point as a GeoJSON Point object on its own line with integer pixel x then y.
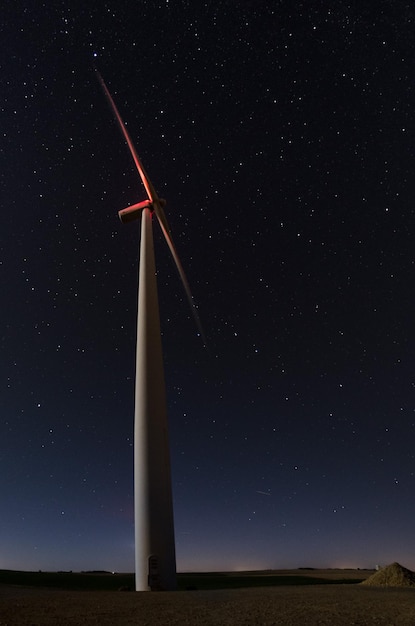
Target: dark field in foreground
{"type": "Point", "coordinates": [286, 605]}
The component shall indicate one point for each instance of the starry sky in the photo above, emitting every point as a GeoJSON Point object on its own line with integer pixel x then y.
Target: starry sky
{"type": "Point", "coordinates": [282, 136]}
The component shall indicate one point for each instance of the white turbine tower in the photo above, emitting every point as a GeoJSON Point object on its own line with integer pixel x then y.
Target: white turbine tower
{"type": "Point", "coordinates": [155, 560]}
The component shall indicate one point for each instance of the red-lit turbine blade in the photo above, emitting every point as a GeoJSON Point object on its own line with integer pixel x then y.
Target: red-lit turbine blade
{"type": "Point", "coordinates": [152, 195]}
{"type": "Point", "coordinates": [166, 232]}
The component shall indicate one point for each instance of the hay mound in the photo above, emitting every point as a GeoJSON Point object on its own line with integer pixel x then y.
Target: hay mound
{"type": "Point", "coordinates": [393, 575]}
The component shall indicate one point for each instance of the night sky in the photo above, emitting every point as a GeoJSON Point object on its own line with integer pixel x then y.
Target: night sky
{"type": "Point", "coordinates": [282, 136]}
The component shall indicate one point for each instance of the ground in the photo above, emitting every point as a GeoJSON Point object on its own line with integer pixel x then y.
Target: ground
{"type": "Point", "coordinates": [287, 605]}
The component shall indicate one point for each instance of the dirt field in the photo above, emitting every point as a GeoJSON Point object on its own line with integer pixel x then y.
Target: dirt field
{"type": "Point", "coordinates": [331, 605]}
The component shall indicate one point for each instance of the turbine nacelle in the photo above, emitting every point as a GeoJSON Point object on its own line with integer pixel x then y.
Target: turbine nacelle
{"type": "Point", "coordinates": [133, 212]}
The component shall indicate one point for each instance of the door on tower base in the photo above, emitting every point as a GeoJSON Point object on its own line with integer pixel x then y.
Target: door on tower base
{"type": "Point", "coordinates": [153, 573]}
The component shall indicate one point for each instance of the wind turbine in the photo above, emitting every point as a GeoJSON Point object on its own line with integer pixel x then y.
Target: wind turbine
{"type": "Point", "coordinates": [155, 559]}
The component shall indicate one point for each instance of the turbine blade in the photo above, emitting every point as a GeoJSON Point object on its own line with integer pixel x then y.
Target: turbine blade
{"type": "Point", "coordinates": [167, 235]}
{"type": "Point", "coordinates": [161, 216]}
{"type": "Point", "coordinates": [151, 193]}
